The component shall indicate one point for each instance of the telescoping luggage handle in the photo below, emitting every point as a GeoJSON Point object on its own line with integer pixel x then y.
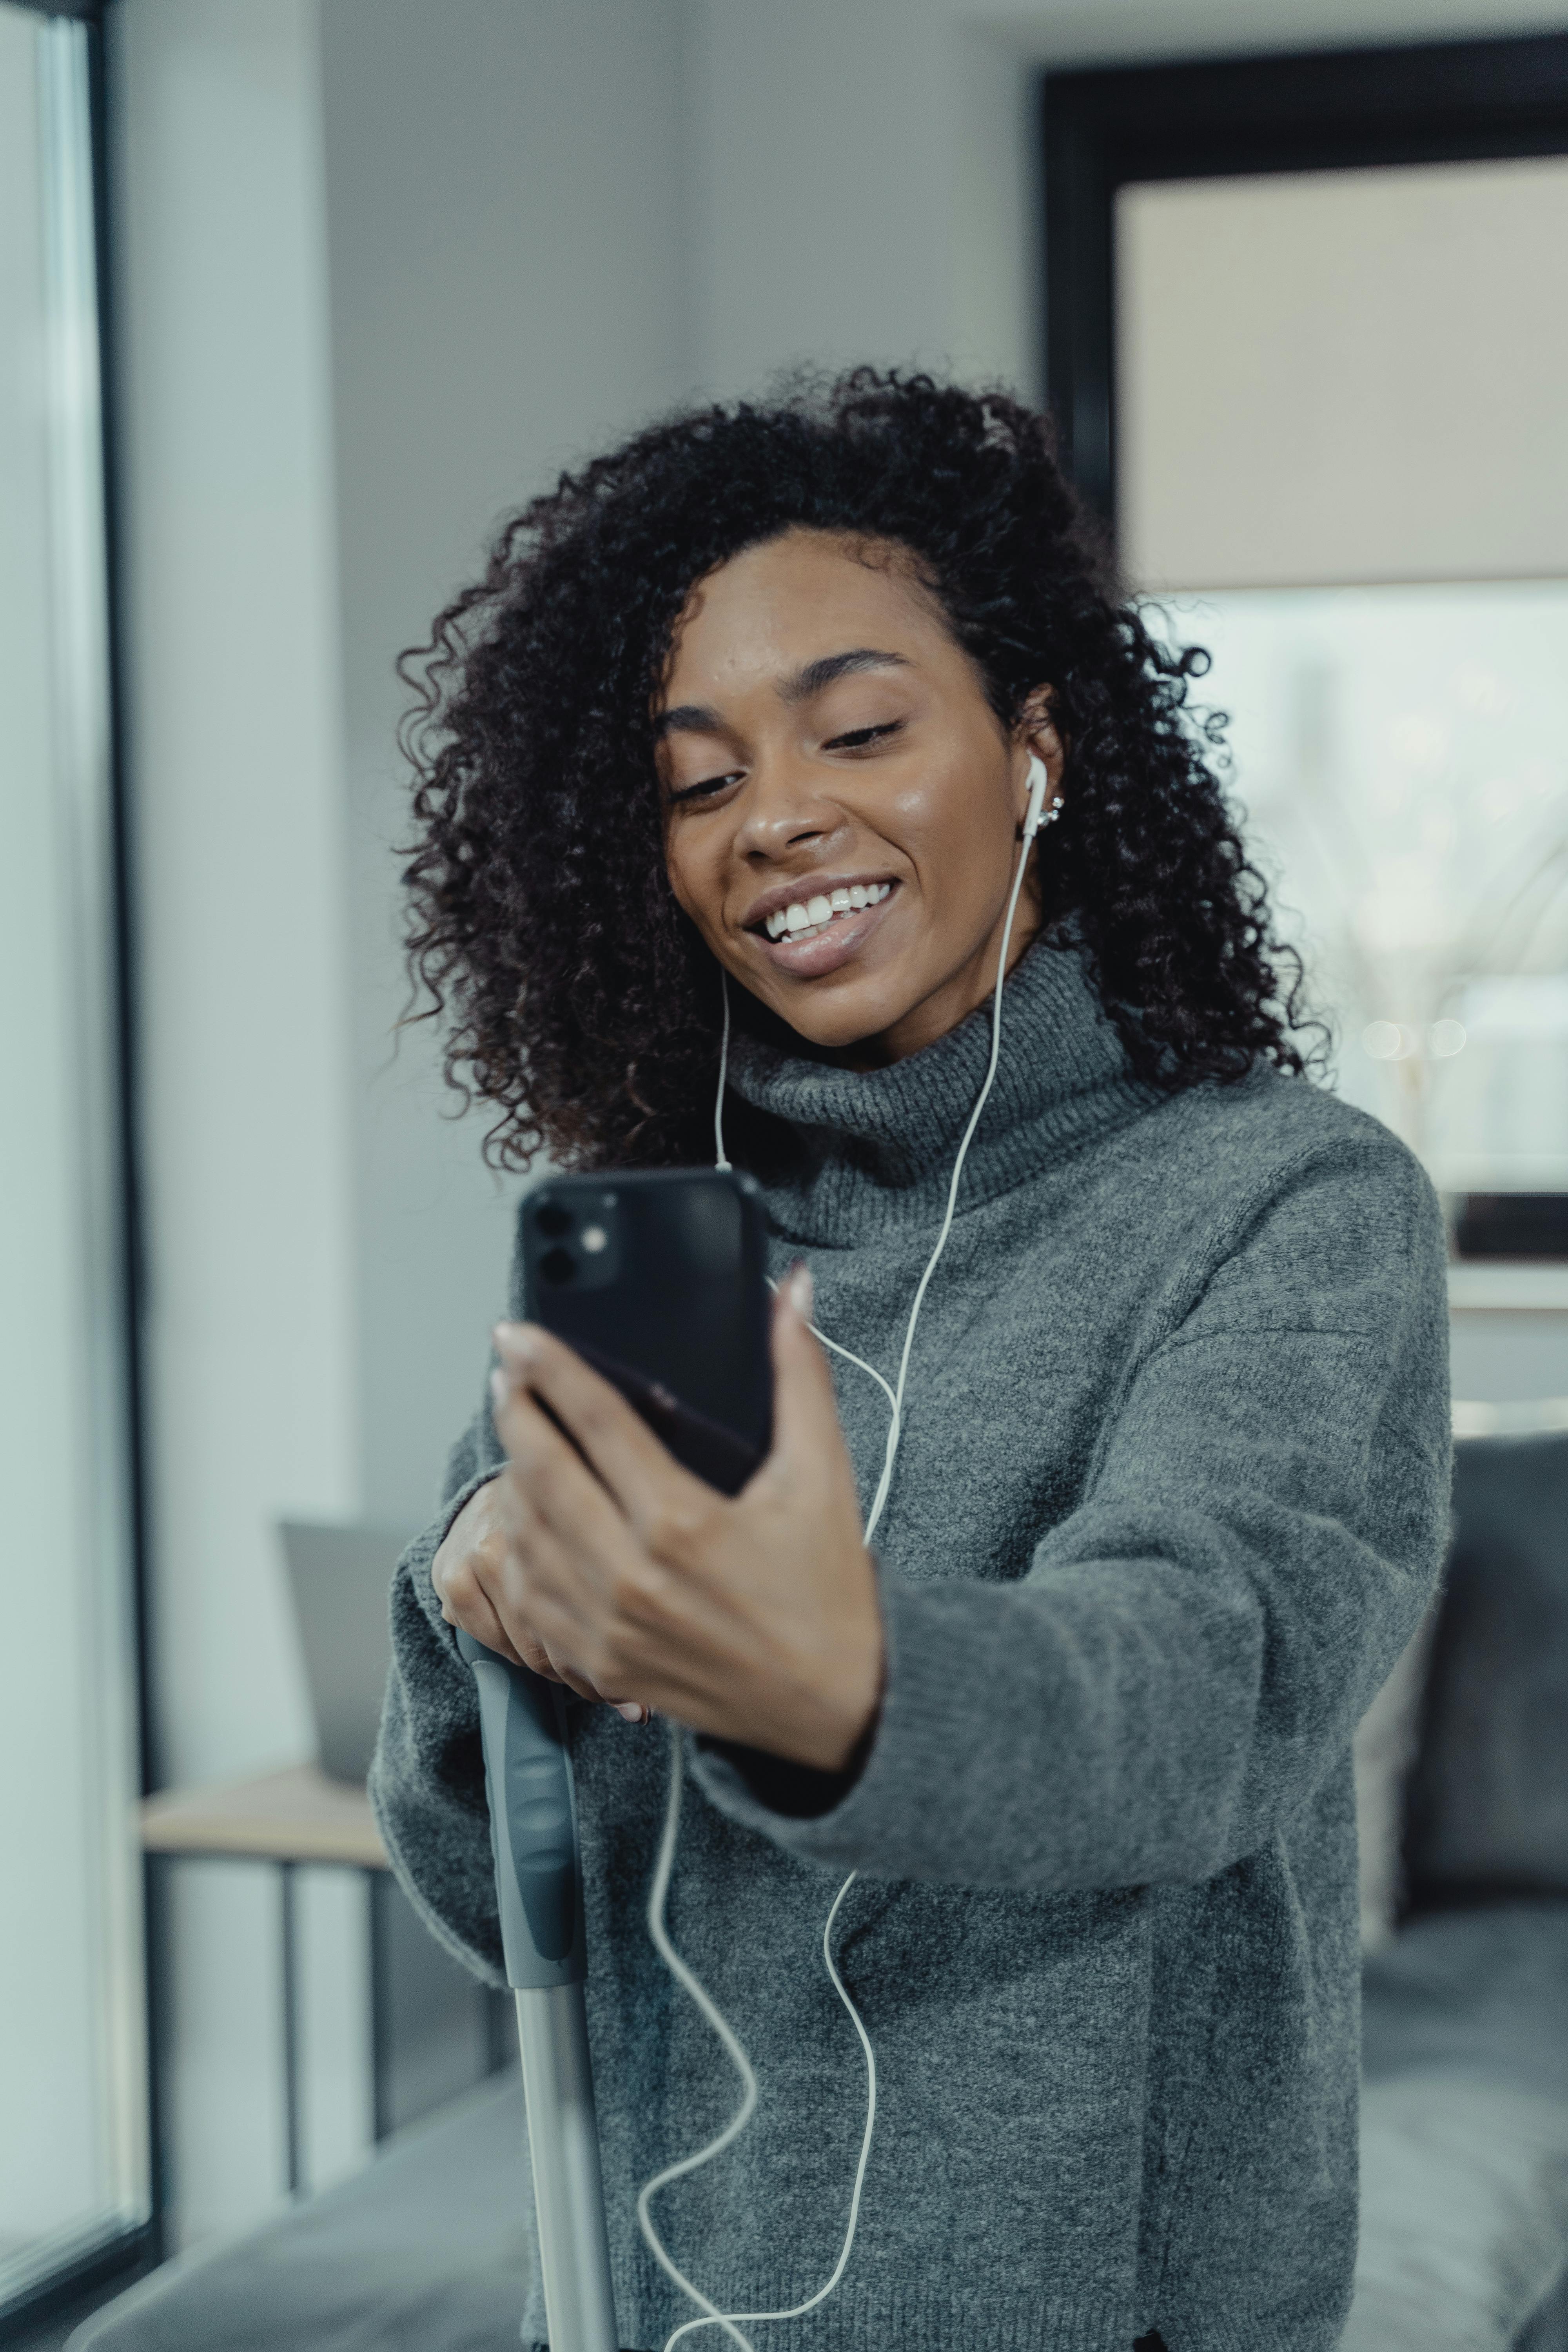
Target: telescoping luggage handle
{"type": "Point", "coordinates": [539, 1887]}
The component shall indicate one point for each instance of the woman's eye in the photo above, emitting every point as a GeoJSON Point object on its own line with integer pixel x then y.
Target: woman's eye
{"type": "Point", "coordinates": [859, 737]}
{"type": "Point", "coordinates": [707, 787]}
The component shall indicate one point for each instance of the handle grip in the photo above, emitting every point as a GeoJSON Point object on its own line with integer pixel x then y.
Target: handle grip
{"type": "Point", "coordinates": [533, 1820]}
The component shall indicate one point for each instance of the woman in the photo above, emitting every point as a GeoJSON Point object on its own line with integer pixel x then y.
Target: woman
{"type": "Point", "coordinates": [758, 695]}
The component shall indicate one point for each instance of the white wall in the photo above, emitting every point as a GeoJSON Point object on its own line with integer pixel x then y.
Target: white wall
{"type": "Point", "coordinates": [503, 207]}
{"type": "Point", "coordinates": [859, 162]}
{"type": "Point", "coordinates": [231, 612]}
{"type": "Point", "coordinates": [235, 767]}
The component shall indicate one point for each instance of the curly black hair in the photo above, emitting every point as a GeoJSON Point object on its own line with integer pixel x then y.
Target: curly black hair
{"type": "Point", "coordinates": [579, 998]}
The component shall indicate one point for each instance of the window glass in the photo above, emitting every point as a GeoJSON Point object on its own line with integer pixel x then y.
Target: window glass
{"type": "Point", "coordinates": [1400, 753]}
{"type": "Point", "coordinates": [72, 2066]}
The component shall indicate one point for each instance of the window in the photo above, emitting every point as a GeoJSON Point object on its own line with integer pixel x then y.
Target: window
{"type": "Point", "coordinates": [1307, 336]}
{"type": "Point", "coordinates": [74, 2174]}
{"type": "Point", "coordinates": [1400, 754]}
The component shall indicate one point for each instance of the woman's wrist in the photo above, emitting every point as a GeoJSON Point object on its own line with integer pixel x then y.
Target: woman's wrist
{"type": "Point", "coordinates": [830, 1716]}
{"type": "Point", "coordinates": [859, 1704]}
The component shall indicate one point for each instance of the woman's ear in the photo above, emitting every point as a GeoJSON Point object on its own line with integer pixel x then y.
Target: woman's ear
{"type": "Point", "coordinates": [1035, 737]}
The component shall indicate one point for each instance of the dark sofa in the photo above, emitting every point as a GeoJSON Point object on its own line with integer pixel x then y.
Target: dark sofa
{"type": "Point", "coordinates": [1465, 2115]}
{"type": "Point", "coordinates": [1465, 2028]}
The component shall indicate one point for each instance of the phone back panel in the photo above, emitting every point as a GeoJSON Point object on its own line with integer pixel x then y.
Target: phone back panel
{"type": "Point", "coordinates": [659, 1278]}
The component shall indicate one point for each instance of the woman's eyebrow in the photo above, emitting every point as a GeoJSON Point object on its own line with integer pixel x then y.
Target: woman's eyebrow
{"type": "Point", "coordinates": [817, 675]}
{"type": "Point", "coordinates": [687, 719]}
{"type": "Point", "coordinates": [699, 719]}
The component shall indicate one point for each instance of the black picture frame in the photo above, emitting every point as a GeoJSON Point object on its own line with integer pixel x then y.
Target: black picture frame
{"type": "Point", "coordinates": [1103, 128]}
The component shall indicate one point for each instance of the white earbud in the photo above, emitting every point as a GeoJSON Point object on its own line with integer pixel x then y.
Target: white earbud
{"type": "Point", "coordinates": [1036, 814]}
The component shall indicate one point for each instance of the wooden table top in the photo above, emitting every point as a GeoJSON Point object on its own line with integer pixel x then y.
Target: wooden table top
{"type": "Point", "coordinates": [297, 1815]}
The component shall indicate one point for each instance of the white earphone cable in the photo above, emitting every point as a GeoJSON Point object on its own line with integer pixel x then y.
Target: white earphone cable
{"type": "Point", "coordinates": [710, 2316]}
{"type": "Point", "coordinates": [719, 2024]}
{"type": "Point", "coordinates": [850, 1357]}
{"type": "Point", "coordinates": [720, 1158]}
{"type": "Point", "coordinates": [896, 1426]}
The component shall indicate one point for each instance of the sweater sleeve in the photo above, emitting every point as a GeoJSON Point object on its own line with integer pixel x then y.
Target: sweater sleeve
{"type": "Point", "coordinates": [1195, 1643]}
{"type": "Point", "coordinates": [427, 1778]}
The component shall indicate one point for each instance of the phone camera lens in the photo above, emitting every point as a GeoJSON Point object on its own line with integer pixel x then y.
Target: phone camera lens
{"type": "Point", "coordinates": [552, 1220]}
{"type": "Point", "coordinates": [558, 1266]}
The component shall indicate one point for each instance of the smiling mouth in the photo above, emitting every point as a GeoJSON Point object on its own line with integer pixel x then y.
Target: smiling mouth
{"type": "Point", "coordinates": [807, 918]}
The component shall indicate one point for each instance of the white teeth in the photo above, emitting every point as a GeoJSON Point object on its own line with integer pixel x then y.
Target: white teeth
{"type": "Point", "coordinates": [805, 918]}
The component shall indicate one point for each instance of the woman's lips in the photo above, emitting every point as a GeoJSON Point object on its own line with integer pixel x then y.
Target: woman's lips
{"type": "Point", "coordinates": [845, 936]}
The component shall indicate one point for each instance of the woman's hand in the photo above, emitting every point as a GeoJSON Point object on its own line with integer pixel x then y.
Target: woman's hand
{"type": "Point", "coordinates": [470, 1577]}
{"type": "Point", "coordinates": [756, 1620]}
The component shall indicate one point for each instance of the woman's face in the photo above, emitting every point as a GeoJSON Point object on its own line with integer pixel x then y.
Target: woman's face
{"type": "Point", "coordinates": [829, 760]}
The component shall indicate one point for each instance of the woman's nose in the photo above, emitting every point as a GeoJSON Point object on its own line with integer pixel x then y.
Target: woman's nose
{"type": "Point", "coordinates": [784, 804]}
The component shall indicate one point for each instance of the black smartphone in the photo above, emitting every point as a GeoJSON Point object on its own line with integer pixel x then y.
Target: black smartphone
{"type": "Point", "coordinates": [659, 1280]}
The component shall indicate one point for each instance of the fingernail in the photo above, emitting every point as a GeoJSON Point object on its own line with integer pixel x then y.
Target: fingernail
{"type": "Point", "coordinates": [510, 1338]}
{"type": "Point", "coordinates": [631, 1712]}
{"type": "Point", "coordinates": [801, 1291]}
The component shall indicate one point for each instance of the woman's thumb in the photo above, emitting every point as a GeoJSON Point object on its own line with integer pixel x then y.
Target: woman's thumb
{"type": "Point", "coordinates": [805, 1411]}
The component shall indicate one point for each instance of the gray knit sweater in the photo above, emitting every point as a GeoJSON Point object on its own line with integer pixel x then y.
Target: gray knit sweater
{"type": "Point", "coordinates": [1172, 1496]}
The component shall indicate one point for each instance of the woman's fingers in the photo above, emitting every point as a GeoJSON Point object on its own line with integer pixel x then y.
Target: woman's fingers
{"type": "Point", "coordinates": [550, 1478]}
{"type": "Point", "coordinates": [545, 1589]}
{"type": "Point", "coordinates": [466, 1568]}
{"type": "Point", "coordinates": [478, 1591]}
{"type": "Point", "coordinates": [537, 1590]}
{"type": "Point", "coordinates": [807, 1433]}
{"type": "Point", "coordinates": [465, 1602]}
{"type": "Point", "coordinates": [664, 1503]}
{"type": "Point", "coordinates": [756, 1618]}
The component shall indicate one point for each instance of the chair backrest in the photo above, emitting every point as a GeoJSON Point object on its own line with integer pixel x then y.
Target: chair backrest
{"type": "Point", "coordinates": [1487, 1801]}
{"type": "Point", "coordinates": [341, 1578]}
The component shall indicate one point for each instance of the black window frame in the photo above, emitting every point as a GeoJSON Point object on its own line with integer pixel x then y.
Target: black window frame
{"type": "Point", "coordinates": [1106, 128]}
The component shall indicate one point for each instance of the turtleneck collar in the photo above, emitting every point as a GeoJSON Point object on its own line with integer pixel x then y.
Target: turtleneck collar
{"type": "Point", "coordinates": [877, 1146]}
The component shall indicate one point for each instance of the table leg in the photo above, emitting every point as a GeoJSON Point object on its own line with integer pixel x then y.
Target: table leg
{"type": "Point", "coordinates": [378, 1886]}
{"type": "Point", "coordinates": [498, 2010]}
{"type": "Point", "coordinates": [290, 1980]}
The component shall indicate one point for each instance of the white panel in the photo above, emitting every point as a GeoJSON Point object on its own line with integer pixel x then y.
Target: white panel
{"type": "Point", "coordinates": [236, 761]}
{"type": "Point", "coordinates": [231, 615]}
{"type": "Point", "coordinates": [1344, 375]}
